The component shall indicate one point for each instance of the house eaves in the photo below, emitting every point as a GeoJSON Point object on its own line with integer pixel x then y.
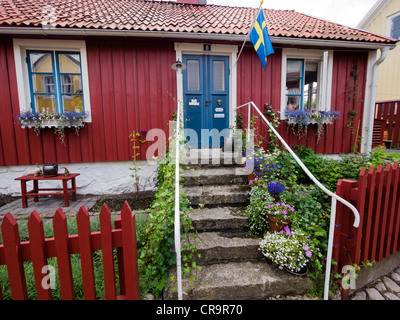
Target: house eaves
{"type": "Point", "coordinates": [372, 14]}
{"type": "Point", "coordinates": [287, 41]}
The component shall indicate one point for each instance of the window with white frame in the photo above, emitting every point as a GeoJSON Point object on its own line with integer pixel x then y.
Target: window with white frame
{"type": "Point", "coordinates": [395, 28]}
{"type": "Point", "coordinates": [52, 76]}
{"type": "Point", "coordinates": [306, 79]}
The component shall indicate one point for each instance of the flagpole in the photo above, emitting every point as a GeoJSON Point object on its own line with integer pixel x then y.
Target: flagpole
{"type": "Point", "coordinates": [251, 28]}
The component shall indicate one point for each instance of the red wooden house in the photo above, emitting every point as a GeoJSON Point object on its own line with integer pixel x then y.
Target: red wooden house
{"type": "Point", "coordinates": [112, 59]}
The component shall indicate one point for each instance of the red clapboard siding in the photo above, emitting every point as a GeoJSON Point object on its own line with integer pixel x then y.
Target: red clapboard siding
{"type": "Point", "coordinates": [130, 84]}
{"type": "Point", "coordinates": [259, 86]}
{"type": "Point", "coordinates": [133, 88]}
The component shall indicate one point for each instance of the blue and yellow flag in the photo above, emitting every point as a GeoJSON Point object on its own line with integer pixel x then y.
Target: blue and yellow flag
{"type": "Point", "coordinates": [260, 38]}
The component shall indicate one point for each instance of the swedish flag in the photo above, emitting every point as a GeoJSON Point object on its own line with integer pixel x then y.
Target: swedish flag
{"type": "Point", "coordinates": [260, 38]}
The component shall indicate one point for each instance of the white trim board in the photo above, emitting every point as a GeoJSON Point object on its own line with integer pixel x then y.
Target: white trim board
{"type": "Point", "coordinates": [20, 47]}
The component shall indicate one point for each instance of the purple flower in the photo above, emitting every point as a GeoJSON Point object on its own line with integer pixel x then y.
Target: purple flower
{"type": "Point", "coordinates": [287, 230]}
{"type": "Point", "coordinates": [308, 254]}
{"type": "Point", "coordinates": [284, 212]}
{"type": "Point", "coordinates": [306, 247]}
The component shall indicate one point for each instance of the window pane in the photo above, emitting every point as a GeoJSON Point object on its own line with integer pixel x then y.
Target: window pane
{"type": "Point", "coordinates": [193, 75]}
{"type": "Point", "coordinates": [43, 83]}
{"type": "Point", "coordinates": [71, 83]}
{"type": "Point", "coordinates": [293, 86]}
{"type": "Point", "coordinates": [45, 103]}
{"type": "Point", "coordinates": [293, 102]}
{"type": "Point", "coordinates": [70, 62]}
{"type": "Point", "coordinates": [41, 62]}
{"type": "Point", "coordinates": [310, 86]}
{"type": "Point", "coordinates": [219, 75]}
{"type": "Point", "coordinates": [73, 103]}
{"type": "Point", "coordinates": [294, 68]}
{"type": "Point", "coordinates": [396, 28]}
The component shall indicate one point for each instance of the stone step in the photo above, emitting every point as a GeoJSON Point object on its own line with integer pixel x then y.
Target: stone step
{"type": "Point", "coordinates": [240, 281]}
{"type": "Point", "coordinates": [218, 195]}
{"type": "Point", "coordinates": [220, 247]}
{"type": "Point", "coordinates": [210, 158]}
{"type": "Point", "coordinates": [214, 176]}
{"type": "Point", "coordinates": [218, 219]}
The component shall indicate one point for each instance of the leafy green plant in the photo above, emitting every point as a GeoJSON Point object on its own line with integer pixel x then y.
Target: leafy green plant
{"type": "Point", "coordinates": [156, 255]}
{"type": "Point", "coordinates": [260, 199]}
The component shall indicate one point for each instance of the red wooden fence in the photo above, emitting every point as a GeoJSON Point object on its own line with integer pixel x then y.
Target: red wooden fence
{"type": "Point", "coordinates": [14, 253]}
{"type": "Point", "coordinates": [388, 112]}
{"type": "Point", "coordinates": [376, 195]}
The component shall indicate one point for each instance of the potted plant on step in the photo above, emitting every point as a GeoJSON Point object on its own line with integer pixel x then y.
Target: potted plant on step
{"type": "Point", "coordinates": [288, 249]}
{"type": "Point", "coordinates": [278, 216]}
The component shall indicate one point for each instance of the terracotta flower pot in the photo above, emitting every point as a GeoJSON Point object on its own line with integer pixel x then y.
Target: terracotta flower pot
{"type": "Point", "coordinates": [276, 225]}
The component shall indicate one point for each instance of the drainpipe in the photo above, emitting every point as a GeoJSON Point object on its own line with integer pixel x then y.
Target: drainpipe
{"type": "Point", "coordinates": [367, 147]}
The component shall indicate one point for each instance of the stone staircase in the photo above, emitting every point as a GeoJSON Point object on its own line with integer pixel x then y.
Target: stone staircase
{"type": "Point", "coordinates": [233, 267]}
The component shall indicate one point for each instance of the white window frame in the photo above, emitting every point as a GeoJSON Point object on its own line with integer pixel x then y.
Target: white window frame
{"type": "Point", "coordinates": [390, 23]}
{"type": "Point", "coordinates": [20, 48]}
{"type": "Point", "coordinates": [325, 64]}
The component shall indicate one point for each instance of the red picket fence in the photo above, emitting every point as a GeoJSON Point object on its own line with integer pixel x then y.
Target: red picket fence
{"type": "Point", "coordinates": [389, 113]}
{"type": "Point", "coordinates": [38, 249]}
{"type": "Point", "coordinates": [376, 195]}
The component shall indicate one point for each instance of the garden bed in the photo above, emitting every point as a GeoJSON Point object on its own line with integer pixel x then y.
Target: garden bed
{"type": "Point", "coordinates": [137, 201]}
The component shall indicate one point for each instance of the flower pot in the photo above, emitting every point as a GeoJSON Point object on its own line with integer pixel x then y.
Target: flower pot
{"type": "Point", "coordinates": [276, 225]}
{"type": "Point", "coordinates": [301, 273]}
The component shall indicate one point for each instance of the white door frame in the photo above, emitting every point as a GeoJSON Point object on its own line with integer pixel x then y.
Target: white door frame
{"type": "Point", "coordinates": [215, 49]}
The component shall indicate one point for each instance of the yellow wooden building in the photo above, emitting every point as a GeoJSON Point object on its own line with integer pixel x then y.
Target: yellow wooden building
{"type": "Point", "coordinates": [384, 19]}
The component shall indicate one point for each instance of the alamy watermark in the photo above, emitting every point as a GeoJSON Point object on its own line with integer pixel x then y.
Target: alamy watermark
{"type": "Point", "coordinates": [50, 17]}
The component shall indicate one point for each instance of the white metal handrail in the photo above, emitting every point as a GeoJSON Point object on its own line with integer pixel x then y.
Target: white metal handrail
{"type": "Point", "coordinates": [177, 221]}
{"type": "Point", "coordinates": [335, 197]}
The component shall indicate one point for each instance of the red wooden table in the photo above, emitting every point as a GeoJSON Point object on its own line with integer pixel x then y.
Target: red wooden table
{"type": "Point", "coordinates": [35, 191]}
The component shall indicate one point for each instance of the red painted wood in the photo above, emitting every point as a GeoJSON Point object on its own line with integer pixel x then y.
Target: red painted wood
{"type": "Point", "coordinates": [377, 210]}
{"type": "Point", "coordinates": [385, 208]}
{"type": "Point", "coordinates": [38, 254]}
{"type": "Point", "coordinates": [129, 81]}
{"type": "Point", "coordinates": [63, 255]}
{"type": "Point", "coordinates": [94, 70]}
{"type": "Point", "coordinates": [14, 262]}
{"type": "Point", "coordinates": [85, 250]}
{"type": "Point", "coordinates": [6, 120]}
{"type": "Point", "coordinates": [369, 212]}
{"type": "Point", "coordinates": [130, 253]}
{"type": "Point", "coordinates": [392, 209]}
{"type": "Point", "coordinates": [120, 259]}
{"type": "Point", "coordinates": [396, 223]}
{"type": "Point", "coordinates": [361, 196]}
{"type": "Point", "coordinates": [108, 256]}
{"type": "Point", "coordinates": [396, 132]}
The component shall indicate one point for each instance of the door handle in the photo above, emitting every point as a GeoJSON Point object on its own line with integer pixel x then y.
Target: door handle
{"type": "Point", "coordinates": [208, 101]}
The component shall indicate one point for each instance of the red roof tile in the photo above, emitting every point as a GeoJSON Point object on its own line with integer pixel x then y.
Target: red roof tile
{"type": "Point", "coordinates": [173, 17]}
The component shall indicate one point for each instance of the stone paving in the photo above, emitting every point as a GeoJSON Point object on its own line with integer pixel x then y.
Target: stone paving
{"type": "Point", "coordinates": [46, 206]}
{"type": "Point", "coordinates": [384, 288]}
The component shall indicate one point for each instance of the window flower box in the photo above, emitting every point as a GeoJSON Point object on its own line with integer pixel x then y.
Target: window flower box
{"type": "Point", "coordinates": [301, 119]}
{"type": "Point", "coordinates": [58, 121]}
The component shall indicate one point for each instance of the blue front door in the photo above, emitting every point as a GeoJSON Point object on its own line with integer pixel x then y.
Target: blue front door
{"type": "Point", "coordinates": [206, 100]}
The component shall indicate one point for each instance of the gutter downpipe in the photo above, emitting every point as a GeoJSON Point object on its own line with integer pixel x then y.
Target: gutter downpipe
{"type": "Point", "coordinates": [371, 111]}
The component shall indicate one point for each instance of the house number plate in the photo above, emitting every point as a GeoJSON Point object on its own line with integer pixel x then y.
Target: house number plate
{"type": "Point", "coordinates": [219, 115]}
{"type": "Point", "coordinates": [219, 109]}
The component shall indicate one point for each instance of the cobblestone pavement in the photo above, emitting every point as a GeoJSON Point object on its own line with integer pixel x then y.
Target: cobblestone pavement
{"type": "Point", "coordinates": [384, 288]}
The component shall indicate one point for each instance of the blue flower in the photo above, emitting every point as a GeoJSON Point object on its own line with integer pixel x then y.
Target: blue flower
{"type": "Point", "coordinates": [276, 188]}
